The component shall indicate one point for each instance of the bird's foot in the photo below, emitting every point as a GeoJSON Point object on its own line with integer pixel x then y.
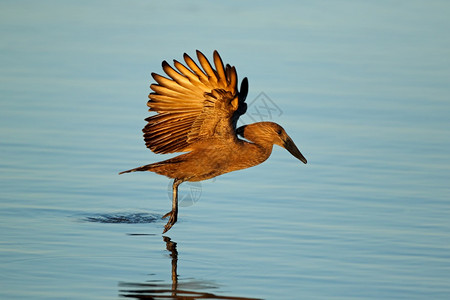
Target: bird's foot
{"type": "Point", "coordinates": [172, 220]}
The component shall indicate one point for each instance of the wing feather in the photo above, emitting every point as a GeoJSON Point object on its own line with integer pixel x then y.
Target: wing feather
{"type": "Point", "coordinates": [207, 67]}
{"type": "Point", "coordinates": [232, 76]}
{"type": "Point", "coordinates": [180, 79]}
{"type": "Point", "coordinates": [220, 70]}
{"type": "Point", "coordinates": [171, 84]}
{"type": "Point", "coordinates": [162, 90]}
{"type": "Point", "coordinates": [196, 69]}
{"type": "Point", "coordinates": [195, 102]}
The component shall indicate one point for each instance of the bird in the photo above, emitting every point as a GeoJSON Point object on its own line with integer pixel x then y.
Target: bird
{"type": "Point", "coordinates": [197, 108]}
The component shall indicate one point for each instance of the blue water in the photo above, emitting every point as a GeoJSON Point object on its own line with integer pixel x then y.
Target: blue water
{"type": "Point", "coordinates": [362, 88]}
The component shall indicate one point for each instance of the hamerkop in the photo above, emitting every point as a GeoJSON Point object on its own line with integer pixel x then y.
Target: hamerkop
{"type": "Point", "coordinates": [197, 111]}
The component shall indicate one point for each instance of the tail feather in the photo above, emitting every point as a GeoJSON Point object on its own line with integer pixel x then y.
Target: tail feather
{"type": "Point", "coordinates": [142, 168]}
{"type": "Point", "coordinates": [163, 167]}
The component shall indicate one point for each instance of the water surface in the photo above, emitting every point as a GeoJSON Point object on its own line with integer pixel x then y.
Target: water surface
{"type": "Point", "coordinates": [363, 89]}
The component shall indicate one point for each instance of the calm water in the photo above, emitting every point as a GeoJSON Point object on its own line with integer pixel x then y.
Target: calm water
{"type": "Point", "coordinates": [363, 89]}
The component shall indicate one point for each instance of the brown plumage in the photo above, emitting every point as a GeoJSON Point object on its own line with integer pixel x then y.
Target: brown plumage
{"type": "Point", "coordinates": [197, 112]}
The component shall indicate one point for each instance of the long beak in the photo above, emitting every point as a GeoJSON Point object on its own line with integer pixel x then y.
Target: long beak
{"type": "Point", "coordinates": [290, 146]}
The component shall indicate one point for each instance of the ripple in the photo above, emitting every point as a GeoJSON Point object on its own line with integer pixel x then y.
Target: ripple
{"type": "Point", "coordinates": [124, 218]}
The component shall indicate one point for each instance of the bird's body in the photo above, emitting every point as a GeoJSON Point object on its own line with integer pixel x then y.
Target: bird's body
{"type": "Point", "coordinates": [197, 113]}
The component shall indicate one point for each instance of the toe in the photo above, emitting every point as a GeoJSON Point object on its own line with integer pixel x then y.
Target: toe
{"type": "Point", "coordinates": [166, 215]}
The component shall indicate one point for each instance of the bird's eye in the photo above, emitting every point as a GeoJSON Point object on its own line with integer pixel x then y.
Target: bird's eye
{"type": "Point", "coordinates": [279, 131]}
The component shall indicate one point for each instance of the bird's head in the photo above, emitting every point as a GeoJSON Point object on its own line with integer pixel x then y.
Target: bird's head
{"type": "Point", "coordinates": [270, 133]}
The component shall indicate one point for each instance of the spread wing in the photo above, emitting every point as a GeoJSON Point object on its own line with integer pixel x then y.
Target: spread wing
{"type": "Point", "coordinates": [195, 102]}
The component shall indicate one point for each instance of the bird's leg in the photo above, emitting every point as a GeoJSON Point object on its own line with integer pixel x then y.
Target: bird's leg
{"type": "Point", "coordinates": [174, 212]}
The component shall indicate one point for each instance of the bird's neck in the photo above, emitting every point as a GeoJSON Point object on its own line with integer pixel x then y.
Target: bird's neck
{"type": "Point", "coordinates": [264, 149]}
{"type": "Point", "coordinates": [249, 154]}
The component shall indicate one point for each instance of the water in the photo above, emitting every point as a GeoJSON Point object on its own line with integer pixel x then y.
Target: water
{"type": "Point", "coordinates": [361, 88]}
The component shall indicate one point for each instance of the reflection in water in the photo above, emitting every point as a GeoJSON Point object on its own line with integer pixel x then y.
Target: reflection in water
{"type": "Point", "coordinates": [172, 248]}
{"type": "Point", "coordinates": [190, 289]}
